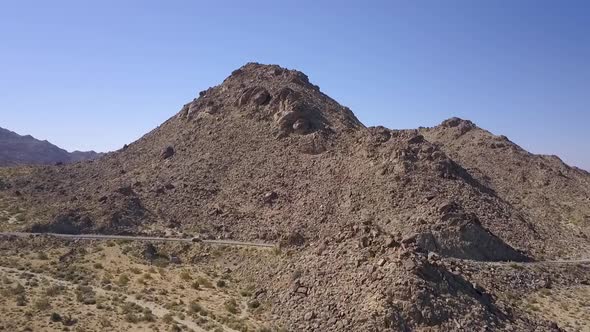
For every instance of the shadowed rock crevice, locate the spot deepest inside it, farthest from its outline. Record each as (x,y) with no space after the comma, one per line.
(459,234)
(72,222)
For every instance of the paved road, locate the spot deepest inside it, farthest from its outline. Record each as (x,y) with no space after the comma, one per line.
(138,238)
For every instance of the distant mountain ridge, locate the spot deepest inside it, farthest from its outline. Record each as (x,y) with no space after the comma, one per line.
(17,149)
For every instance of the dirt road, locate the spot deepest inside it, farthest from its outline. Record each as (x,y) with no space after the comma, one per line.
(138,238)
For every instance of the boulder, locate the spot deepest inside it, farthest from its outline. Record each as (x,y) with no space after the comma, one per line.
(254,95)
(294,239)
(390,242)
(167,152)
(125,191)
(150,252)
(432,256)
(270,197)
(410,238)
(300,126)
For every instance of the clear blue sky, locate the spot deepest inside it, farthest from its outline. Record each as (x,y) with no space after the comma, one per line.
(99,74)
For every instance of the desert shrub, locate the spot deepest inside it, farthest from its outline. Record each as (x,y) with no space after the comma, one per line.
(204,282)
(277,251)
(98,266)
(42,256)
(13,291)
(231,306)
(196,308)
(149,317)
(130,307)
(85,295)
(545,292)
(132,318)
(221,283)
(21,300)
(126,249)
(185,275)
(105,322)
(54,290)
(168,318)
(55,317)
(18,290)
(161,262)
(42,303)
(238,325)
(134,313)
(123,280)
(254,304)
(69,320)
(201,320)
(135,270)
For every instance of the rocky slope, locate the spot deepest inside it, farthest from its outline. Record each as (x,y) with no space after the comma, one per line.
(551,196)
(266,156)
(27,150)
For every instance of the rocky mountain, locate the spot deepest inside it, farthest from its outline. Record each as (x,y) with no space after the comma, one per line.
(552,196)
(27,150)
(363,212)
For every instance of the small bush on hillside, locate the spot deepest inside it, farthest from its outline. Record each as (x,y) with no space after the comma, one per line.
(54,290)
(55,317)
(204,282)
(232,306)
(42,304)
(123,280)
(186,276)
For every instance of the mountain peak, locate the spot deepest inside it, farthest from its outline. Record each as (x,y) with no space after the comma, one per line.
(464,125)
(282,96)
(254,71)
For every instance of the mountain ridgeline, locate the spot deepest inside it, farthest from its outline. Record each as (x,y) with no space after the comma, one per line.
(27,150)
